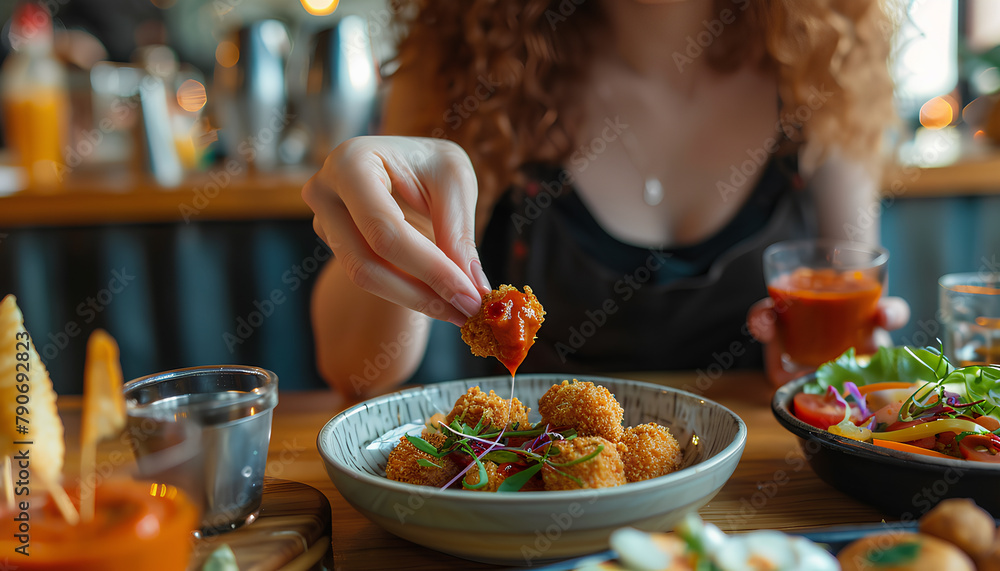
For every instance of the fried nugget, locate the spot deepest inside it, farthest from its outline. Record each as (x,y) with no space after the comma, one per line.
(402,465)
(493,477)
(591,409)
(649,451)
(492,409)
(602,471)
(505,325)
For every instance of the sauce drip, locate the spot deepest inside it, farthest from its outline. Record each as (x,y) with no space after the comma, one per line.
(514,324)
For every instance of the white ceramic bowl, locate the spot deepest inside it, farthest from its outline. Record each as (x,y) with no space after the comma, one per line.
(528,527)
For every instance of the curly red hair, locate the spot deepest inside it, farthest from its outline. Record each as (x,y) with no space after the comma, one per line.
(527,66)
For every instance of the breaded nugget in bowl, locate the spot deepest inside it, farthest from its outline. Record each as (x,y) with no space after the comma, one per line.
(527,528)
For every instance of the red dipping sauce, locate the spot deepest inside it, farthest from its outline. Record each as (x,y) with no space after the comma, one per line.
(514,323)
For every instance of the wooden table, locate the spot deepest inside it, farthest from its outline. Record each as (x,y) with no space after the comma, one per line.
(773,487)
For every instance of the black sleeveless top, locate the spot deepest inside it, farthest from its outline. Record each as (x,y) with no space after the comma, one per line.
(612,306)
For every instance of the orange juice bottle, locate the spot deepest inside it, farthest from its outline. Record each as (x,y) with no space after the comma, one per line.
(35,99)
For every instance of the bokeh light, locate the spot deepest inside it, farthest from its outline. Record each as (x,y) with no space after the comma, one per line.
(191,96)
(320,7)
(938,112)
(227,53)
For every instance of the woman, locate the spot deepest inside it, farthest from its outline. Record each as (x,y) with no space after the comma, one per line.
(627,160)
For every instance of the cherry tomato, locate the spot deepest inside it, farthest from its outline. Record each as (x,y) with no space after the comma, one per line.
(822,411)
(980,447)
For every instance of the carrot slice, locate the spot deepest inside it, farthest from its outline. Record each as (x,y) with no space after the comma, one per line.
(902,447)
(865,389)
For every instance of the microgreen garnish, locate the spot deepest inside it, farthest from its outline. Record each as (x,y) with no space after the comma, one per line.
(517,481)
(427,463)
(474,445)
(483,477)
(581,459)
(424,446)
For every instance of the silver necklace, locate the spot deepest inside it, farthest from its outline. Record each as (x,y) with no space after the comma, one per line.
(652,188)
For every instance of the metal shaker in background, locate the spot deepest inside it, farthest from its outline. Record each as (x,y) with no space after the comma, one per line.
(251,96)
(341,86)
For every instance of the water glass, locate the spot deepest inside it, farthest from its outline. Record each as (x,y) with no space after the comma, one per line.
(970,313)
(230,406)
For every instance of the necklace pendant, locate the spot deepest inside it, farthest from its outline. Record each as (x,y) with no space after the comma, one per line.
(652,193)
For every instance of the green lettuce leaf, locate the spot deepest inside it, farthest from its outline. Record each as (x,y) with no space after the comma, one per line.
(889,364)
(981,384)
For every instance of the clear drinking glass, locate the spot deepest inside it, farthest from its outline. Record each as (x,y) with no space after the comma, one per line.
(970,313)
(825,296)
(231,407)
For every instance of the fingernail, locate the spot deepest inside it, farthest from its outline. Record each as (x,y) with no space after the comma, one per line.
(466,304)
(480,276)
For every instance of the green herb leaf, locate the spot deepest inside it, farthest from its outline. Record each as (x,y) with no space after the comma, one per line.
(427,463)
(517,481)
(898,554)
(483,478)
(423,446)
(568,434)
(590,456)
(981,383)
(578,481)
(503,456)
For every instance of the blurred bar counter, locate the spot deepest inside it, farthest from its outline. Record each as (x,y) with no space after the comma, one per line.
(128,197)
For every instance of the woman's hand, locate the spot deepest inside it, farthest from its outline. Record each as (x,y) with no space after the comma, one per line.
(892,313)
(399,215)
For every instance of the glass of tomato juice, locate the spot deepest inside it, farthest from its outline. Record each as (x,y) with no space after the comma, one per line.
(825,295)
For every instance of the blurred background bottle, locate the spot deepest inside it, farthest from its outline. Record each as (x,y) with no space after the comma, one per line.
(35,99)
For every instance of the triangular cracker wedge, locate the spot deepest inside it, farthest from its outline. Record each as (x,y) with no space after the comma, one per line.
(103,410)
(37,422)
